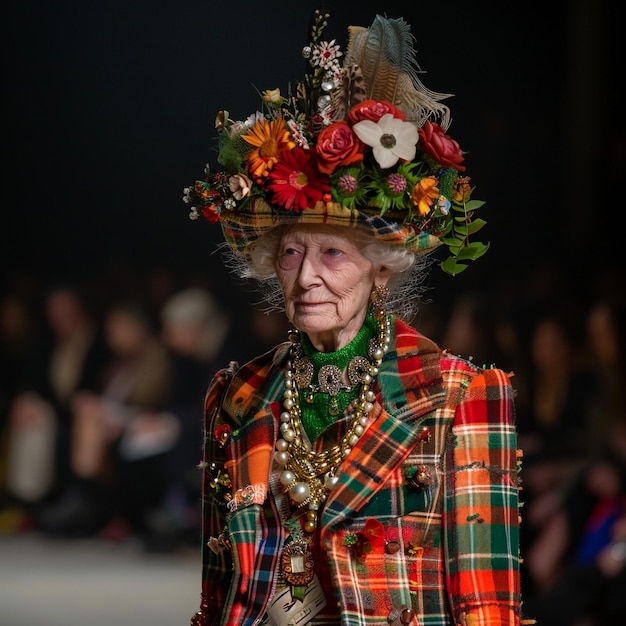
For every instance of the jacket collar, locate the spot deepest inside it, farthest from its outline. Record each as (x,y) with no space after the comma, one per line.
(409,386)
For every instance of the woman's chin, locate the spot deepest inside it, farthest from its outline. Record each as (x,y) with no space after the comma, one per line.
(314,322)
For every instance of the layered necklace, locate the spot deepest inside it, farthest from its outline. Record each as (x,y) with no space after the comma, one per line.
(308,476)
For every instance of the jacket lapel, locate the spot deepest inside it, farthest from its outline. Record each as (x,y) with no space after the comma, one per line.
(410,384)
(409,388)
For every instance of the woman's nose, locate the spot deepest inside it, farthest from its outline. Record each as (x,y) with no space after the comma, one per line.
(308,274)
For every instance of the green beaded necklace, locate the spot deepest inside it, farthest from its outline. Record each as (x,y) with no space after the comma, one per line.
(320,409)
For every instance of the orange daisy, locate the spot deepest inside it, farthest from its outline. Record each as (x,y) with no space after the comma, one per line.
(424,193)
(269,140)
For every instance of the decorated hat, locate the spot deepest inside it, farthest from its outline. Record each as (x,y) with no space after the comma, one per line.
(359,142)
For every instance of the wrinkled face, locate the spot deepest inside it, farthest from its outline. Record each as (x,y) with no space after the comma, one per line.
(326,282)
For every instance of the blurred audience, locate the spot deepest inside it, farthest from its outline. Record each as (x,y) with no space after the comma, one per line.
(120,433)
(606,353)
(469,330)
(195,329)
(583,583)
(17,338)
(67,358)
(554,432)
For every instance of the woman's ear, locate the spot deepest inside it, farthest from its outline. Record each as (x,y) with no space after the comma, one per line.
(383,275)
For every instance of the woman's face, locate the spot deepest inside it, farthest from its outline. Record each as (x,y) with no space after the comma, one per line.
(326,282)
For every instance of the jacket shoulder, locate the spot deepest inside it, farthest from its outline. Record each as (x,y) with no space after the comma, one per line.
(245,384)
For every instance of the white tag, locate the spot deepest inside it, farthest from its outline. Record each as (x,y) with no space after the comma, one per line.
(286,611)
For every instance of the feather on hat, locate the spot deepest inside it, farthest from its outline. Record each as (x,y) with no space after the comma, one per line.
(362,143)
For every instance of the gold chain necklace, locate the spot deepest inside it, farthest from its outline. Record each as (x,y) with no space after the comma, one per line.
(309,476)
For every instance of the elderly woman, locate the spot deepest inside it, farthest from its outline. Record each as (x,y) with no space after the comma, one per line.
(355,474)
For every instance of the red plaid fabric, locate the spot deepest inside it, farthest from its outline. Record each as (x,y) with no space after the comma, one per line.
(448,553)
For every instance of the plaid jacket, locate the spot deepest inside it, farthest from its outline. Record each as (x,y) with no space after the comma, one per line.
(455,556)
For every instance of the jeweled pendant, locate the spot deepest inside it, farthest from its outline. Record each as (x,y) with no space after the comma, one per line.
(297,564)
(329,378)
(302,371)
(357,367)
(333,406)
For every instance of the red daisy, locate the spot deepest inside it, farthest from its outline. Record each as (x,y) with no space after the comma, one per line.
(295,182)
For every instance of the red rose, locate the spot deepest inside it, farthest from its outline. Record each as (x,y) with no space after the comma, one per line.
(337,145)
(373,110)
(441,147)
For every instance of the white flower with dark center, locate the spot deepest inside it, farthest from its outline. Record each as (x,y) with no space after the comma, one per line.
(325,55)
(391,139)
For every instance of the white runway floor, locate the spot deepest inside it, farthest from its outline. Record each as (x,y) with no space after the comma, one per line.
(89,582)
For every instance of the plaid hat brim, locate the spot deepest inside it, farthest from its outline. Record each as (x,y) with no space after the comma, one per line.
(244,226)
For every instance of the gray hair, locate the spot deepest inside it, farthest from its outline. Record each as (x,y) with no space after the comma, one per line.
(406,285)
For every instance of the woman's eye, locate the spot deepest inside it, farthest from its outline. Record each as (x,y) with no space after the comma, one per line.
(289,258)
(334,252)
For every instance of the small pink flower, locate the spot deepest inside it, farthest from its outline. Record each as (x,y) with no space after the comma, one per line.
(347,184)
(396,182)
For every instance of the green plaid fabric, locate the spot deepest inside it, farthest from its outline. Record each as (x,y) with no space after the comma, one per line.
(450,549)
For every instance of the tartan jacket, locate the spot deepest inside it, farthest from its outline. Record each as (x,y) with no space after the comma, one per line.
(456,540)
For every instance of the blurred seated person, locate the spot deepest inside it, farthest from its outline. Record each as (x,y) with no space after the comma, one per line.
(589,588)
(580,555)
(120,434)
(68,357)
(194,329)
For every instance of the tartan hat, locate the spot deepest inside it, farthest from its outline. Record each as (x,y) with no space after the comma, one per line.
(241,228)
(360,143)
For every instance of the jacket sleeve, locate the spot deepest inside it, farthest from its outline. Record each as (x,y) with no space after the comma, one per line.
(216,554)
(481,513)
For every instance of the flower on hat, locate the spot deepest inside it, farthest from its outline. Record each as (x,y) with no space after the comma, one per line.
(440,146)
(298,132)
(325,54)
(424,194)
(349,186)
(390,189)
(330,141)
(269,140)
(212,194)
(373,110)
(337,145)
(272,96)
(462,190)
(295,183)
(391,139)
(240,186)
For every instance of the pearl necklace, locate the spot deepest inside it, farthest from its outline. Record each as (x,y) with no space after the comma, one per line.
(308,476)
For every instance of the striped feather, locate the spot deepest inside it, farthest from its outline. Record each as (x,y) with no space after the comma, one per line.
(386,54)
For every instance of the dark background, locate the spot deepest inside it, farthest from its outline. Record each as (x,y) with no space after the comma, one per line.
(109,111)
(109,108)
